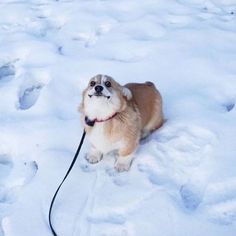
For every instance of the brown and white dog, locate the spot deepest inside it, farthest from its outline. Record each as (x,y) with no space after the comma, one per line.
(116,117)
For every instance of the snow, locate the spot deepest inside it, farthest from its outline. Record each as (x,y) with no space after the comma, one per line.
(183,178)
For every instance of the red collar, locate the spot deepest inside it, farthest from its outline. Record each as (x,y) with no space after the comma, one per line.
(92,122)
(109,118)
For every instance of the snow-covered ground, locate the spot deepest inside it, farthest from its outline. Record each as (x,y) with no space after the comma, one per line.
(183,180)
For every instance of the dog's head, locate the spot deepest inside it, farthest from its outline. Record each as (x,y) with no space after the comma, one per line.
(104,97)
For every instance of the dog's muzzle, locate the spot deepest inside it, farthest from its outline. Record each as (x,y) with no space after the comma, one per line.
(98,89)
(98,92)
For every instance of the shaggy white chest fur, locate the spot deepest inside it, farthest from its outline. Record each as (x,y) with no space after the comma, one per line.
(101,107)
(101,141)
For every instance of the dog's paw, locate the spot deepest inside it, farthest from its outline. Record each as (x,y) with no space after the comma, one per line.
(92,158)
(123,164)
(121,167)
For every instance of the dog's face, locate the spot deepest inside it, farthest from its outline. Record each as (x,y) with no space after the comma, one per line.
(103,97)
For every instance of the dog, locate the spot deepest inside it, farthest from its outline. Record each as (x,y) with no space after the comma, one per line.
(117,117)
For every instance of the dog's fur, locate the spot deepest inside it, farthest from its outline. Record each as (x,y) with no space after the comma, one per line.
(122,115)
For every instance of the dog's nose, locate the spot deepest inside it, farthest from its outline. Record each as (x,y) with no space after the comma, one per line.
(98,88)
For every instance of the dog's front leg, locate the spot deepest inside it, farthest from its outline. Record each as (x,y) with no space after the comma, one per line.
(125,158)
(94,156)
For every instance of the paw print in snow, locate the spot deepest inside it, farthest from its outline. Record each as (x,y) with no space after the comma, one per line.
(29,96)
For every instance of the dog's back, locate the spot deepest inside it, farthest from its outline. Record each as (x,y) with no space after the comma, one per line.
(149,102)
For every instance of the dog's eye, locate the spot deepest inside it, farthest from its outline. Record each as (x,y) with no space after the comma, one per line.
(92,83)
(108,84)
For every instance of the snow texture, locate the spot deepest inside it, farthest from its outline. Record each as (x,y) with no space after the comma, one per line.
(183,178)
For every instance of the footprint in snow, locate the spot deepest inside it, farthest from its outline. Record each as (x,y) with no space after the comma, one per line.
(223,213)
(29,96)
(5,166)
(155,175)
(1,232)
(87,167)
(173,159)
(7,71)
(17,176)
(220,202)
(229,106)
(191,196)
(94,37)
(26,171)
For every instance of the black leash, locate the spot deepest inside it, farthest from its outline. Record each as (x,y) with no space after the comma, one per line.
(69,170)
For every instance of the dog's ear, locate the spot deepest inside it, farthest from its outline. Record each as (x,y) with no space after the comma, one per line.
(81,108)
(126,93)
